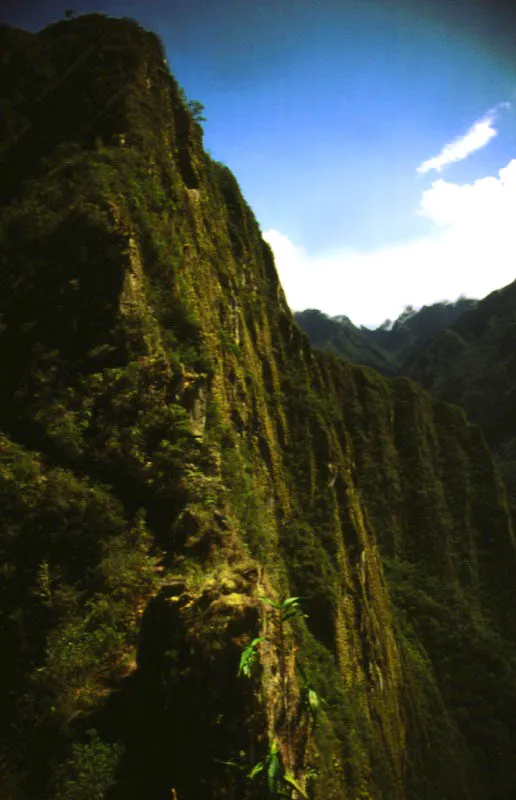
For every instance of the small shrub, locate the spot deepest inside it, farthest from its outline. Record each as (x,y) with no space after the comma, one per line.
(89,771)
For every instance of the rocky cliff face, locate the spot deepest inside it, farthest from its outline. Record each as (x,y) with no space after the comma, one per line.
(177,465)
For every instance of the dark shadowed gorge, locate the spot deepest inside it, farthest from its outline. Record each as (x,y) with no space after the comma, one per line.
(173,452)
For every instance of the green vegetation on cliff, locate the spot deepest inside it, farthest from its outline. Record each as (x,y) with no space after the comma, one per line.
(472,364)
(173,451)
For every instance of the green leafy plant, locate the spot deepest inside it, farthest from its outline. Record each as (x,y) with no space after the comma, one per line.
(290,607)
(276,775)
(271,765)
(286,610)
(289,778)
(249,658)
(310,699)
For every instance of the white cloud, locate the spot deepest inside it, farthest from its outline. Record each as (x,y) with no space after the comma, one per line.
(487,205)
(472,251)
(478,135)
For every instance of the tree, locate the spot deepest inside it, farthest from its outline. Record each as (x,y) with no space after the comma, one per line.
(196,109)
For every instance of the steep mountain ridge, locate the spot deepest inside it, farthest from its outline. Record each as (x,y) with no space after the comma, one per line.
(175,457)
(473,364)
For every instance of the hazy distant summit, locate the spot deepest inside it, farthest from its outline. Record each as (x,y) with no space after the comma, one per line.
(387,347)
(338,335)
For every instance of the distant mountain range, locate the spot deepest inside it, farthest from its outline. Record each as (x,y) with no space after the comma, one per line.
(386,348)
(338,335)
(463,353)
(472,363)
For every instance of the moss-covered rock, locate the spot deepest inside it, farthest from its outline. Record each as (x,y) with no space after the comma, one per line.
(177,462)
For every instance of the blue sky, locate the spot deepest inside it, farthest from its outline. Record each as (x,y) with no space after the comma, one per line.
(373,139)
